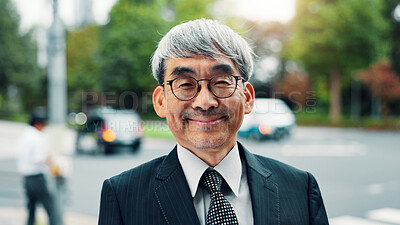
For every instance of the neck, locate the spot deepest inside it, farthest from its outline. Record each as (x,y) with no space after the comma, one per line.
(211,156)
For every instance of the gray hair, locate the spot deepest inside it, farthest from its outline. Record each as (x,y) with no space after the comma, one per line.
(203,37)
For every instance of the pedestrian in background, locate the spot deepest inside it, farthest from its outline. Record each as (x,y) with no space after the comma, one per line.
(33,164)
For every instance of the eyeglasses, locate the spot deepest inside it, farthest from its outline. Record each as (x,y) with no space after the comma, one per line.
(186,88)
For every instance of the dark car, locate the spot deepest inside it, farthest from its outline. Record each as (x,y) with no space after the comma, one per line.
(107,129)
(270,118)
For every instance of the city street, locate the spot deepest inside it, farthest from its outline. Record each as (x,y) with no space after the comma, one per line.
(357,170)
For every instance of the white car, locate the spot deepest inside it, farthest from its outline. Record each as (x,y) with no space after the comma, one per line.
(270,118)
(107,128)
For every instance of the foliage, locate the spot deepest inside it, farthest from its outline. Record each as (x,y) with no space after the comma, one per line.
(383,82)
(190,9)
(321,119)
(83,72)
(128,40)
(295,87)
(18,69)
(337,38)
(344,33)
(267,37)
(126,44)
(393,34)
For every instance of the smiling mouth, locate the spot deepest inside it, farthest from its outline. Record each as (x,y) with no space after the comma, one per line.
(208,121)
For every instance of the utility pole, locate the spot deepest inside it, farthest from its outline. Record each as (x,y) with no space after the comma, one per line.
(57,103)
(57,77)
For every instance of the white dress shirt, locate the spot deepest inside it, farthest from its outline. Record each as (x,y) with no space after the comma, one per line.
(232,170)
(32,152)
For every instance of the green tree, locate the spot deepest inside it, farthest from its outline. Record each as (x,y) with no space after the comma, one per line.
(394,32)
(18,69)
(128,40)
(125,47)
(83,73)
(335,38)
(190,9)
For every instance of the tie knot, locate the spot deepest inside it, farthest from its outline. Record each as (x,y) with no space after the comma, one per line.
(211,181)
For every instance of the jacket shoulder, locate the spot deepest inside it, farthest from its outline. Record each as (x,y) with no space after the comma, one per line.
(138,176)
(282,172)
(276,165)
(130,198)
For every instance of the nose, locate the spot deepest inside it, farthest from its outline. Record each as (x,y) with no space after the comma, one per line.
(204,99)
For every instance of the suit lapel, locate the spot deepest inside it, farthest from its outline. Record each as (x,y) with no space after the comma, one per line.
(264,192)
(173,193)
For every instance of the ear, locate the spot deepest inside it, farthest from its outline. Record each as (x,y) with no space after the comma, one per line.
(158,101)
(249,95)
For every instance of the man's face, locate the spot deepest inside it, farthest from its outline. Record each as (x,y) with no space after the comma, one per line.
(204,122)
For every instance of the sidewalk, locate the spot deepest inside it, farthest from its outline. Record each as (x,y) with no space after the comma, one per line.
(17,216)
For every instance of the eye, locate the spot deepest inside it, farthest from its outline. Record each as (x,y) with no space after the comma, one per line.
(222,82)
(186,85)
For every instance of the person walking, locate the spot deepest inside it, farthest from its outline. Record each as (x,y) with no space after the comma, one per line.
(33,163)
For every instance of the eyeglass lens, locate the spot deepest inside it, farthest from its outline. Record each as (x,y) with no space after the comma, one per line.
(221,86)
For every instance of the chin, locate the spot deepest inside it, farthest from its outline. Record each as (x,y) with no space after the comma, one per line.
(208,143)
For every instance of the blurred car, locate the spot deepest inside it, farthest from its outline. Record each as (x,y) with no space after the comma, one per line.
(107,128)
(270,118)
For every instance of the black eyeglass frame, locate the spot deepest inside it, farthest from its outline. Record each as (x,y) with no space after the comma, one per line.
(169,82)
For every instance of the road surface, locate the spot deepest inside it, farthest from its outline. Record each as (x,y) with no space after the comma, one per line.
(357,170)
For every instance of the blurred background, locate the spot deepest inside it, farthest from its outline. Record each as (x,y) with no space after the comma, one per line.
(334,67)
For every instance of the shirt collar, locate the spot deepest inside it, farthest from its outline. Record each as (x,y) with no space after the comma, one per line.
(193,167)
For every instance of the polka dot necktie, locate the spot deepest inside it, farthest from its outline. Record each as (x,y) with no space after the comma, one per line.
(220,210)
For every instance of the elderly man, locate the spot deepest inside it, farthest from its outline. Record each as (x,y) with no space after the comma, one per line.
(203,68)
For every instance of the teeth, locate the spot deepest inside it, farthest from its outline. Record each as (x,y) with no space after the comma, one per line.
(200,122)
(210,120)
(205,121)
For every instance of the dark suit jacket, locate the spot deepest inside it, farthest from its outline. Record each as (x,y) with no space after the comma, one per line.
(157,193)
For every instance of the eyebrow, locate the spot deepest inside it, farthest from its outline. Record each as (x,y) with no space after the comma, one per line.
(226,68)
(182,70)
